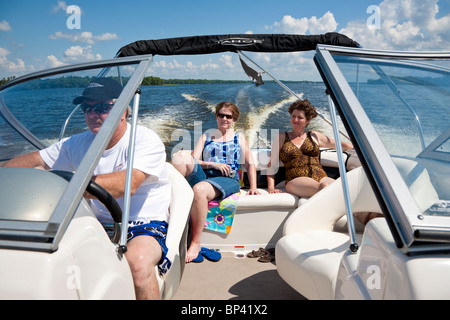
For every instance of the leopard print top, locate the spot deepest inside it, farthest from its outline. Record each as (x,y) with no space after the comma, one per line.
(303,161)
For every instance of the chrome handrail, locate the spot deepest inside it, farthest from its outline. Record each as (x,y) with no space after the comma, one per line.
(63,129)
(343,174)
(129,174)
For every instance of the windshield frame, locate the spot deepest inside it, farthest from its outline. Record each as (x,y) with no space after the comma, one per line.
(64,211)
(405,219)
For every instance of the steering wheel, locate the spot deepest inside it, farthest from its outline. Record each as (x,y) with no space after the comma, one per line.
(101,194)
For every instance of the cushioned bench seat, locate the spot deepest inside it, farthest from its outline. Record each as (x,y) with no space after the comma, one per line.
(259,219)
(265,200)
(258,222)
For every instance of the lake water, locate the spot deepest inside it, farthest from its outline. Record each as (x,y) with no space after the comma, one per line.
(181,113)
(178,113)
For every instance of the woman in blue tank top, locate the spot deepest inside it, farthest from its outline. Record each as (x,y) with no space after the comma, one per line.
(212,170)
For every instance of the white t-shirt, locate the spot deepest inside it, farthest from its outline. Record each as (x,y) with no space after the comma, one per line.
(151,199)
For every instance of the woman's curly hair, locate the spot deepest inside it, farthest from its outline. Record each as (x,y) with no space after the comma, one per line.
(305,106)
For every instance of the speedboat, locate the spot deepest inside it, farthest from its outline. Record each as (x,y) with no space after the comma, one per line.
(394,109)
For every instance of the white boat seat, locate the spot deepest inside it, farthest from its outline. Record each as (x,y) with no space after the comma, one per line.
(257,222)
(259,219)
(309,254)
(309,262)
(418,181)
(265,200)
(180,206)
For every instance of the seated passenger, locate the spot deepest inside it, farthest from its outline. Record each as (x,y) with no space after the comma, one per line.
(299,150)
(212,170)
(150,190)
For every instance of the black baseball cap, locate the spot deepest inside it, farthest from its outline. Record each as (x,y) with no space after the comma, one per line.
(100,89)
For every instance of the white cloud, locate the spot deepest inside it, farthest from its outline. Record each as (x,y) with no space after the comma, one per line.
(404,25)
(53,62)
(60,6)
(4,26)
(313,25)
(78,54)
(209,66)
(84,37)
(176,69)
(295,65)
(227,60)
(106,37)
(10,66)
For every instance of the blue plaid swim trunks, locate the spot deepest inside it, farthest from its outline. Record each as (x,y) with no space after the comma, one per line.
(155,229)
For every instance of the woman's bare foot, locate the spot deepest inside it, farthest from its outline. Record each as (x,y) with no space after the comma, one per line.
(193,252)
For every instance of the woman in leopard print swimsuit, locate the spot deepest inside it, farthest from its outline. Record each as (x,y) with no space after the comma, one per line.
(299,151)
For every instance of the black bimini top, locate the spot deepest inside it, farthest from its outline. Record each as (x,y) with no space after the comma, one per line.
(233,43)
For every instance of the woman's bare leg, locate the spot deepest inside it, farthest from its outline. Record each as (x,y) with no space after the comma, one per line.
(203,193)
(307,187)
(183,162)
(325,182)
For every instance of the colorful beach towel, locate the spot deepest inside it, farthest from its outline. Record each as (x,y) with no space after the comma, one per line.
(221,214)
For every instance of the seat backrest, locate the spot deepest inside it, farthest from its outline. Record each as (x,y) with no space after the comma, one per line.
(418,181)
(180,206)
(326,207)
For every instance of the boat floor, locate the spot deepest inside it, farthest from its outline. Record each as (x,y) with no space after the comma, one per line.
(234,278)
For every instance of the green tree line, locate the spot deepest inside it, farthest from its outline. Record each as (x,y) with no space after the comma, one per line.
(5,80)
(81,82)
(152,81)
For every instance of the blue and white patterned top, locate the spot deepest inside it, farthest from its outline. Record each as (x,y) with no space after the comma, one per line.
(228,152)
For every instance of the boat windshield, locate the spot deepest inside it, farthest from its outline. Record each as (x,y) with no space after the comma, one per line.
(398,105)
(37,110)
(34,113)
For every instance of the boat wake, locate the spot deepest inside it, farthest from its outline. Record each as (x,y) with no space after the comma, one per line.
(190,97)
(163,124)
(252,123)
(252,117)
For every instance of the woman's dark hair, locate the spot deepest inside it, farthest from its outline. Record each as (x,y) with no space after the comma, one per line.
(305,106)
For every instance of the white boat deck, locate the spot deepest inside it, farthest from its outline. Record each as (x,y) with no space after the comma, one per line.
(234,279)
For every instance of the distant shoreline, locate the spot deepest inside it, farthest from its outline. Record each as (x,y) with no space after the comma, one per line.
(150,81)
(81,82)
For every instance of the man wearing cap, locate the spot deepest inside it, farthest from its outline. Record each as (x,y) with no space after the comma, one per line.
(150,188)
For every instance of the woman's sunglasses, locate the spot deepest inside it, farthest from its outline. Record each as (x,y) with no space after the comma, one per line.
(99,108)
(228,116)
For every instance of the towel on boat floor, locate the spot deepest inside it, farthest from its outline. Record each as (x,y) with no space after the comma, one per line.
(221,214)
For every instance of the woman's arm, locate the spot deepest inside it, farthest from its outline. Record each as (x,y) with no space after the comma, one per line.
(249,164)
(327,142)
(274,163)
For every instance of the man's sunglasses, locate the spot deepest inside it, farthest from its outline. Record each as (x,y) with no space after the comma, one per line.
(99,108)
(228,116)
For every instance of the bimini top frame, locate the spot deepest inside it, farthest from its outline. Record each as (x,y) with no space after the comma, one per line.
(234,42)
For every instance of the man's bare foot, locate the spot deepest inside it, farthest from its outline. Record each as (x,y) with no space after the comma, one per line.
(193,252)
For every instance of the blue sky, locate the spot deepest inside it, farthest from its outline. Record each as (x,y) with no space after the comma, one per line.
(34,34)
